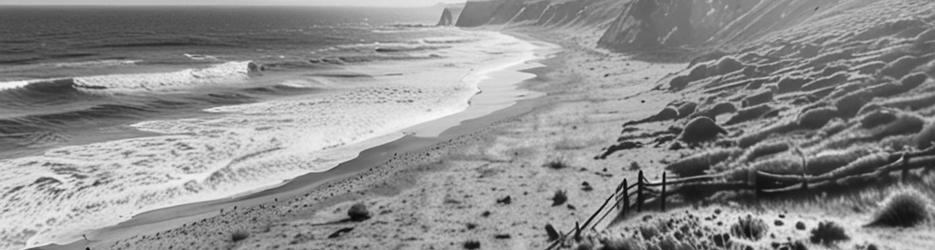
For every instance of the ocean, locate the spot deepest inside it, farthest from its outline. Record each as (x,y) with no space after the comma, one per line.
(107,112)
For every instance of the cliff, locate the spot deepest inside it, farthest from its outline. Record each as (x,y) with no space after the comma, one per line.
(587,14)
(704,23)
(447,18)
(652,24)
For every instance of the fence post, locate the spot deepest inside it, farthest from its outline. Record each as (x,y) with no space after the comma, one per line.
(662,197)
(626,197)
(577,231)
(639,192)
(905,173)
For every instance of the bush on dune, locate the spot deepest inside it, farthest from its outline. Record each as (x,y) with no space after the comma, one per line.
(749,228)
(751,113)
(239,235)
(727,65)
(687,108)
(701,129)
(817,118)
(557,163)
(828,233)
(764,149)
(926,137)
(905,208)
(699,163)
(559,198)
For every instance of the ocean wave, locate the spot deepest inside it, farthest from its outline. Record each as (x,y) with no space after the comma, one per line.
(25,94)
(448,40)
(198,57)
(230,72)
(95,64)
(184,79)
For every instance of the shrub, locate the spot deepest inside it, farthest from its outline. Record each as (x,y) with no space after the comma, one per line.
(902,209)
(557,163)
(750,113)
(239,235)
(679,82)
(749,228)
(358,212)
(472,244)
(559,198)
(620,243)
(649,231)
(728,65)
(817,118)
(699,163)
(828,233)
(757,99)
(701,129)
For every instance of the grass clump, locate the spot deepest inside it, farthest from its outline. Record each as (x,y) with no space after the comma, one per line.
(559,198)
(557,163)
(472,244)
(828,233)
(358,212)
(239,235)
(902,209)
(749,228)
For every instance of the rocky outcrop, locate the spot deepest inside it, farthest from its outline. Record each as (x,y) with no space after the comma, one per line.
(696,23)
(589,14)
(447,18)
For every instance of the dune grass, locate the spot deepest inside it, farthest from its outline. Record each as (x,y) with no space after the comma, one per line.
(904,208)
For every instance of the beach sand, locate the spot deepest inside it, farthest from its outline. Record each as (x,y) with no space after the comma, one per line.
(491,182)
(438,191)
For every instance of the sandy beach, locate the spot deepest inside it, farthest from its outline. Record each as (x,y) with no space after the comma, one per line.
(776,134)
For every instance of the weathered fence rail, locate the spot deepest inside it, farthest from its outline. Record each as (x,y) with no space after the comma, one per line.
(644,191)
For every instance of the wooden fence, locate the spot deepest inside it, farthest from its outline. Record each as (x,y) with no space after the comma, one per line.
(645,191)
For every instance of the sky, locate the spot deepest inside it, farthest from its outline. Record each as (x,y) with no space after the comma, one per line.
(400,3)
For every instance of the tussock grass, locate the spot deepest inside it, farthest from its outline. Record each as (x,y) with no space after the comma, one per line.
(755,137)
(620,243)
(926,137)
(559,198)
(817,118)
(764,149)
(699,163)
(757,99)
(905,208)
(749,227)
(701,129)
(358,212)
(679,82)
(718,109)
(239,235)
(728,64)
(905,123)
(557,163)
(828,233)
(877,117)
(789,84)
(687,108)
(751,113)
(913,102)
(699,72)
(827,81)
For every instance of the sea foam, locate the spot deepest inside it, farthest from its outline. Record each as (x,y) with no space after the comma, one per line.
(56,196)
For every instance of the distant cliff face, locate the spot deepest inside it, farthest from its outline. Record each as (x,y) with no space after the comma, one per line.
(591,14)
(651,24)
(703,23)
(446,19)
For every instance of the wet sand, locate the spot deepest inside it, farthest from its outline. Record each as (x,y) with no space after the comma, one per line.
(500,97)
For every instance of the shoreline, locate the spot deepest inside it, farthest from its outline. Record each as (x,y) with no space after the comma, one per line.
(494,101)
